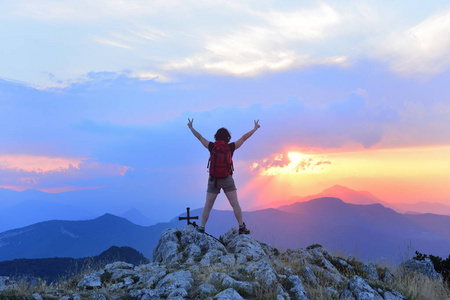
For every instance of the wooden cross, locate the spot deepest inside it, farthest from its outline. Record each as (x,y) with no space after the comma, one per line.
(188,218)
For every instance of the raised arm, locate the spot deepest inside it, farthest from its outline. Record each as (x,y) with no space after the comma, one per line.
(245,137)
(197,135)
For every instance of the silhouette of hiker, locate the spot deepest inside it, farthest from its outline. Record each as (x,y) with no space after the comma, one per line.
(223,149)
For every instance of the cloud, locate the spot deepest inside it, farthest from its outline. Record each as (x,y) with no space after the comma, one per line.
(273,46)
(52,173)
(112,43)
(38,164)
(84,10)
(290,163)
(423,48)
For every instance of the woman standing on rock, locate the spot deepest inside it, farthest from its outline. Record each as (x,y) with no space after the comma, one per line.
(221,172)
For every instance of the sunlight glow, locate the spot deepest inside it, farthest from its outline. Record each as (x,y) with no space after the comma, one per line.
(292,163)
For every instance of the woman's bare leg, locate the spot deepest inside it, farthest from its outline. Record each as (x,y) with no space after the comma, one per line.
(210,199)
(233,199)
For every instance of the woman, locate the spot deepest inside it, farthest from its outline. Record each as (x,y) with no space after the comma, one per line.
(227,183)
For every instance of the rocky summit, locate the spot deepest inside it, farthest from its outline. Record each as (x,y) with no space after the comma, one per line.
(191,265)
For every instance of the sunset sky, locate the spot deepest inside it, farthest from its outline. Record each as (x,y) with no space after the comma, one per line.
(96,95)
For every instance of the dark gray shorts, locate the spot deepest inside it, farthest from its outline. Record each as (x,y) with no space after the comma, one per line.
(227,184)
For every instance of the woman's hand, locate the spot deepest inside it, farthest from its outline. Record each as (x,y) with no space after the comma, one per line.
(256,124)
(190,122)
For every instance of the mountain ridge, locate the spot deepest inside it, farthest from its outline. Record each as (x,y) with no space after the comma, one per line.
(61,268)
(376,232)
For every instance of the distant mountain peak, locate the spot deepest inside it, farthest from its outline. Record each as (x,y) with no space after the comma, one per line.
(327,199)
(109,216)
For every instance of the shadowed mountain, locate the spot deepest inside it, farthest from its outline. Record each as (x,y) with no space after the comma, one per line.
(422,208)
(52,269)
(36,210)
(77,238)
(437,223)
(137,217)
(19,209)
(337,191)
(368,231)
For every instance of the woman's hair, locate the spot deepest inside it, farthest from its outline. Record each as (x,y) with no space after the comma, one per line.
(222,135)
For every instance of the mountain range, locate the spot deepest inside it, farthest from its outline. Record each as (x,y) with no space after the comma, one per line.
(19,209)
(60,268)
(351,196)
(367,231)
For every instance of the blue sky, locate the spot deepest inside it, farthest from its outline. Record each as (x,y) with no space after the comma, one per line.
(97,93)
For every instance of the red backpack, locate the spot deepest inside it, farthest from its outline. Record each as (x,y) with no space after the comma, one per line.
(220,163)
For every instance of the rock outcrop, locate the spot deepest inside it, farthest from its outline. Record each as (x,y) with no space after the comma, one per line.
(191,265)
(5,283)
(423,267)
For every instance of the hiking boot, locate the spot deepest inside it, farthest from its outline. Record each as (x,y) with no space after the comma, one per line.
(243,229)
(201,229)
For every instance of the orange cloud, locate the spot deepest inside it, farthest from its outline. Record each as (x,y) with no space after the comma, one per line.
(393,175)
(54,174)
(38,164)
(62,189)
(291,163)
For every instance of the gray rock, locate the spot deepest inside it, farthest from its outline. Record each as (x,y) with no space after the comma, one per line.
(5,283)
(211,256)
(243,244)
(243,286)
(263,272)
(118,265)
(76,296)
(178,293)
(122,273)
(394,295)
(323,251)
(228,294)
(359,289)
(127,281)
(299,255)
(282,292)
(268,249)
(168,247)
(424,267)
(227,260)
(332,292)
(388,277)
(98,297)
(148,267)
(65,298)
(277,262)
(223,279)
(173,281)
(327,265)
(371,271)
(217,277)
(336,278)
(137,293)
(36,296)
(150,274)
(187,246)
(90,281)
(146,294)
(240,258)
(116,286)
(287,271)
(344,264)
(194,268)
(297,288)
(310,276)
(206,289)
